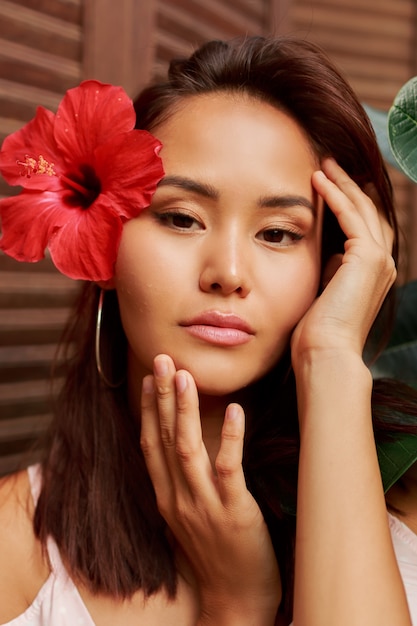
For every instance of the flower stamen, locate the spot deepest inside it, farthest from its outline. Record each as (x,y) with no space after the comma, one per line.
(75,186)
(36,166)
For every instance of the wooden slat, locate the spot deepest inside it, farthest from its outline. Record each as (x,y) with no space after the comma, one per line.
(399,8)
(199,21)
(36,67)
(19,428)
(69,10)
(27,362)
(27,398)
(19,289)
(343,17)
(39,30)
(31,326)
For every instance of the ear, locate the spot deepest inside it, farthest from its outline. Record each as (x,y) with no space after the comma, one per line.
(107,285)
(330,269)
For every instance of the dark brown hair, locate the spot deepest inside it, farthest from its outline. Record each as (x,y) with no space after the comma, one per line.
(97,500)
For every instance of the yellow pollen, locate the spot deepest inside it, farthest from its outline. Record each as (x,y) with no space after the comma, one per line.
(36,166)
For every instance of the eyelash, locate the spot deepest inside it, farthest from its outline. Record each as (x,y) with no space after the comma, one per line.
(294,235)
(167,218)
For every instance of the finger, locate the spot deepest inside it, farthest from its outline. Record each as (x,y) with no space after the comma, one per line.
(359,218)
(345,197)
(166,399)
(150,441)
(230,477)
(193,459)
(164,373)
(387,229)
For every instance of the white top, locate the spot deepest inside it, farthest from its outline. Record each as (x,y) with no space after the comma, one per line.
(59,603)
(405,546)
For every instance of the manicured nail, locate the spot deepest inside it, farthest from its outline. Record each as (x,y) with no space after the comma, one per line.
(181,382)
(161,366)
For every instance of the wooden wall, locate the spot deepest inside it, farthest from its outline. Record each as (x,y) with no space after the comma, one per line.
(47,46)
(374,44)
(41,51)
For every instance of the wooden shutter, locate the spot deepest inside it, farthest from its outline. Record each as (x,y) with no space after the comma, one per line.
(40,58)
(373,43)
(181,25)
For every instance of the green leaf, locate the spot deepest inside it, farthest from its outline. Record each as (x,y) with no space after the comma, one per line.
(399,359)
(402,128)
(379,121)
(396,457)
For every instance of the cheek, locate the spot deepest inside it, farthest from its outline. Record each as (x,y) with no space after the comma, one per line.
(295,290)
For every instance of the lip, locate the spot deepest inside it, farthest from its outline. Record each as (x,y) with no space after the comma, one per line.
(218,328)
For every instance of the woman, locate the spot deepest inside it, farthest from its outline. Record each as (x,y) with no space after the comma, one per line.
(246,292)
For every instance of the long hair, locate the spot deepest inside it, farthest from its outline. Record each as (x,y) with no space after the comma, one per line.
(97,500)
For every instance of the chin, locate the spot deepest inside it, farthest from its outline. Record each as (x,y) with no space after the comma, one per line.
(221,384)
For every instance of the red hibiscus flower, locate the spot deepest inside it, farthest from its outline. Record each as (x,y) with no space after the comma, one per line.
(84,172)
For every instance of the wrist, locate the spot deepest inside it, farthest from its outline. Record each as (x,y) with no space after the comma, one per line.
(228,617)
(242,611)
(341,364)
(333,389)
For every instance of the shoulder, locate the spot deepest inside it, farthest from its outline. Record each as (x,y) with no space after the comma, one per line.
(24,567)
(16,505)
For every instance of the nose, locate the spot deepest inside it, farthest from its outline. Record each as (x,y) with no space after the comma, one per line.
(226,266)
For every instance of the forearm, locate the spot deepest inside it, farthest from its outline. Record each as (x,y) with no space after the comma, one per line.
(346,572)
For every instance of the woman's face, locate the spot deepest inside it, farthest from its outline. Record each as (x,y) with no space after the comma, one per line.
(224,263)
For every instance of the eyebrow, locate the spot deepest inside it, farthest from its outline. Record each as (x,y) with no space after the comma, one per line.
(286,201)
(188,184)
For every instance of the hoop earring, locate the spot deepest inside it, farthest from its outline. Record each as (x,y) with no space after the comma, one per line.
(100,369)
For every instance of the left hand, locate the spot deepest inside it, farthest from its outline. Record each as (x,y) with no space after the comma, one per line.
(341,317)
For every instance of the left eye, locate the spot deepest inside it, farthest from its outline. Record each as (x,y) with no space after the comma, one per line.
(277,235)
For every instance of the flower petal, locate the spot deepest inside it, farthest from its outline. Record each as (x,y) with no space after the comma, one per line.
(35,140)
(90,115)
(130,169)
(27,222)
(86,246)
(84,172)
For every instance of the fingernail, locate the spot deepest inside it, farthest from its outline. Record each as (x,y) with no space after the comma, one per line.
(181,382)
(161,366)
(320,174)
(148,384)
(233,412)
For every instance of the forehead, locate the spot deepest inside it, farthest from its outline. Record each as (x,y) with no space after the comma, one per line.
(232,114)
(230,136)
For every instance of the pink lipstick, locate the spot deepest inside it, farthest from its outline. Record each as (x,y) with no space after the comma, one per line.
(222,329)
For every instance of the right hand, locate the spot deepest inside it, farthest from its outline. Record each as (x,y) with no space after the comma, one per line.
(211,513)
